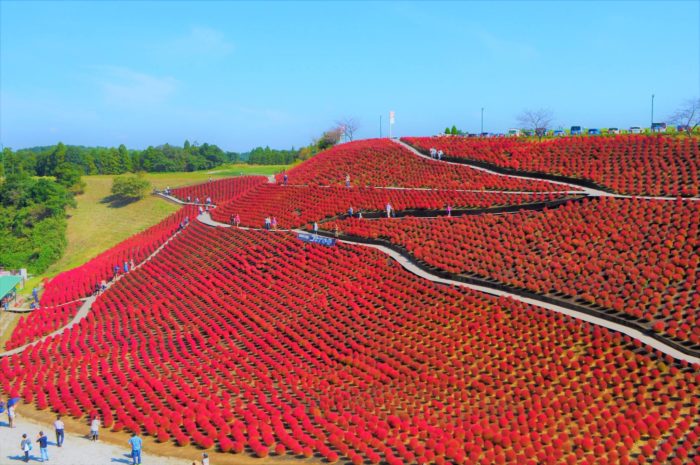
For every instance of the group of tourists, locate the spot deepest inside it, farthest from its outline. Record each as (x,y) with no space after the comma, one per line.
(128,265)
(437,154)
(270,223)
(351,212)
(184,223)
(235,220)
(100,287)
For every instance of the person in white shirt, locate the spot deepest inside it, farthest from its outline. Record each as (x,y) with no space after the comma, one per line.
(59,427)
(95,429)
(11,415)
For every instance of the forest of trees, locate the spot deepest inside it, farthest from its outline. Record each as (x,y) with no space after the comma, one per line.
(33,221)
(43,161)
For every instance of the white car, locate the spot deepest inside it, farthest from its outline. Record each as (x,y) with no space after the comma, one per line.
(635,130)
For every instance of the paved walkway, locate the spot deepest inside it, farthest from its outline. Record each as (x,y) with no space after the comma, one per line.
(205,218)
(587,190)
(76,450)
(87,304)
(655,343)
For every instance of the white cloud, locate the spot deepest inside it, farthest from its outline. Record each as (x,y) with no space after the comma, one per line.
(126,87)
(200,42)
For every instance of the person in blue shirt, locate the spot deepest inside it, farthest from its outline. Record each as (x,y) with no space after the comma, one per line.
(126,266)
(43,446)
(135,442)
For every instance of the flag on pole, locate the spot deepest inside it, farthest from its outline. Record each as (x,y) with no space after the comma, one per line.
(391,117)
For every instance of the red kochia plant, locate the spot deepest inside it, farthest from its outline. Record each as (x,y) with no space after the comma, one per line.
(629,164)
(221,190)
(604,252)
(248,340)
(294,206)
(380,162)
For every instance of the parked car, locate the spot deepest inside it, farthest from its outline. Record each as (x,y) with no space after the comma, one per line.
(658,127)
(682,127)
(593,132)
(613,131)
(558,133)
(576,130)
(513,132)
(635,130)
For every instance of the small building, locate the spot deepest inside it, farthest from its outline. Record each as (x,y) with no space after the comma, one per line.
(8,287)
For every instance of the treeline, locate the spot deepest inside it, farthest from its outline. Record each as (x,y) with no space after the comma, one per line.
(268,156)
(43,161)
(33,220)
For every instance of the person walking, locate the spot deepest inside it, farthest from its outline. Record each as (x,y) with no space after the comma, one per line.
(315,228)
(350,211)
(43,446)
(26,446)
(274,223)
(439,154)
(449,210)
(11,414)
(126,267)
(95,429)
(388,210)
(347,180)
(237,220)
(135,442)
(205,458)
(60,430)
(286,179)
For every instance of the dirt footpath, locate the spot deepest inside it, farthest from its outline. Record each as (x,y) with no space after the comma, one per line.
(76,450)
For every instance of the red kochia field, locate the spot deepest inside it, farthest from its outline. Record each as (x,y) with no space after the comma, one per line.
(638,257)
(382,163)
(253,342)
(634,164)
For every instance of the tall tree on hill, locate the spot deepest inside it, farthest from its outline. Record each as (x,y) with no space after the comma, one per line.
(348,126)
(537,121)
(688,115)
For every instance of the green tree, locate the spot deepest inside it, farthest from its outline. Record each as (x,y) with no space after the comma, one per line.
(123,159)
(454,131)
(68,175)
(55,159)
(130,187)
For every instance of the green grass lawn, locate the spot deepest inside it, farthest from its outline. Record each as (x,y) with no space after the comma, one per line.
(94,226)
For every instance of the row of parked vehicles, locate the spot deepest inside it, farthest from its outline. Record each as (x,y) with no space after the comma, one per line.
(580,131)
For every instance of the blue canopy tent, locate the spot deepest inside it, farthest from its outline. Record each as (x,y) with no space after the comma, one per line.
(8,286)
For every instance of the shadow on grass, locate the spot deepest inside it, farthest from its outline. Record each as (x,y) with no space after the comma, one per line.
(117,201)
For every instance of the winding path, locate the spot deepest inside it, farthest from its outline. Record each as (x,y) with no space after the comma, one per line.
(404,260)
(87,304)
(587,190)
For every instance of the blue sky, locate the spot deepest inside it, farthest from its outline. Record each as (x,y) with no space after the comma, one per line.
(278,73)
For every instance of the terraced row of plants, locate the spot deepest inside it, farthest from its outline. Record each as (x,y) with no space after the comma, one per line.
(652,165)
(257,343)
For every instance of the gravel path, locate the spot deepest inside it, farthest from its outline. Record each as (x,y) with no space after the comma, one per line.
(76,450)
